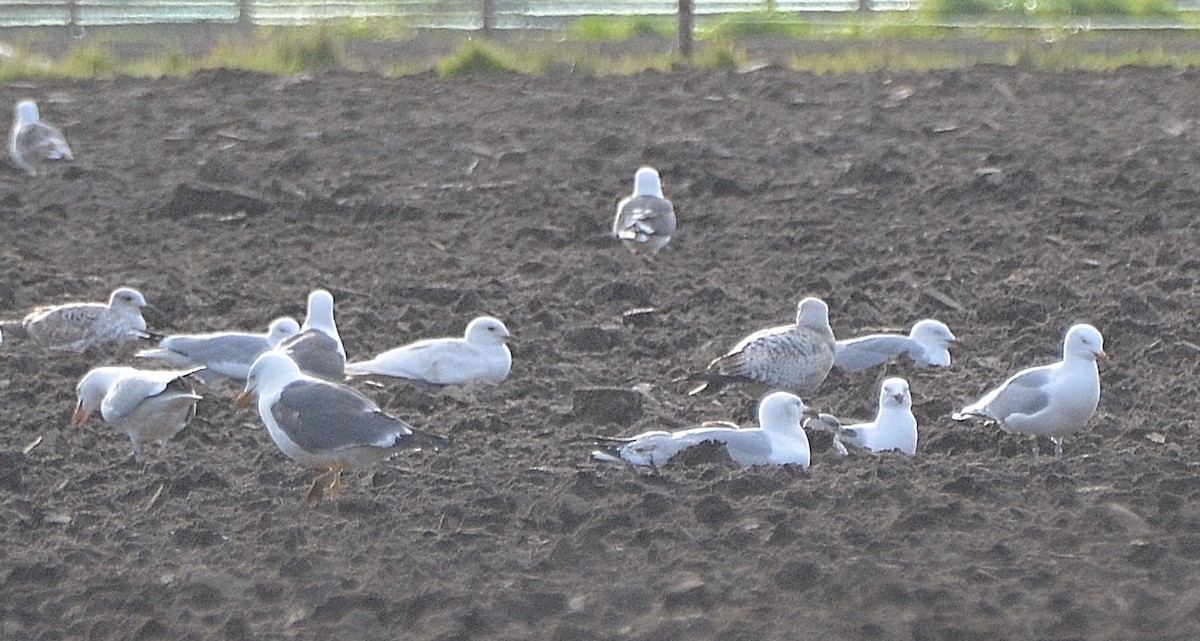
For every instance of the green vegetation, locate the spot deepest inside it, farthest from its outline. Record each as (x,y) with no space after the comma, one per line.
(618,28)
(1052,8)
(857,44)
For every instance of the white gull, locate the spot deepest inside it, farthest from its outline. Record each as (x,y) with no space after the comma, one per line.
(318,349)
(894,427)
(148,405)
(779,439)
(324,425)
(480,355)
(33,141)
(927,344)
(1053,400)
(645,219)
(228,354)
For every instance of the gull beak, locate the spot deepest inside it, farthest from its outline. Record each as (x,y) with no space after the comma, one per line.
(810,412)
(79,417)
(243,400)
(1102,356)
(899,398)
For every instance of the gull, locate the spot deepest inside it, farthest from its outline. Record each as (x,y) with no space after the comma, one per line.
(1053,400)
(82,325)
(791,358)
(927,345)
(779,439)
(33,141)
(318,349)
(894,427)
(324,425)
(481,355)
(148,405)
(227,354)
(645,218)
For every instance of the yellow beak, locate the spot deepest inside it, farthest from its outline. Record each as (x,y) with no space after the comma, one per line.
(80,417)
(243,400)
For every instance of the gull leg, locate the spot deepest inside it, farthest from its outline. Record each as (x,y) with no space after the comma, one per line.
(1057,446)
(336,483)
(1036,451)
(316,489)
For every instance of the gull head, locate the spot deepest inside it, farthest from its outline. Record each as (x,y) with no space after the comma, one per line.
(320,312)
(269,373)
(91,390)
(894,394)
(932,333)
(1084,341)
(281,329)
(128,298)
(646,183)
(487,330)
(812,312)
(26,112)
(782,411)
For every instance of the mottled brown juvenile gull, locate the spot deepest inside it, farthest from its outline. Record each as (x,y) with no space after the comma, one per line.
(318,349)
(148,405)
(227,354)
(33,141)
(779,439)
(82,325)
(927,344)
(645,219)
(894,427)
(1053,400)
(324,425)
(791,358)
(481,355)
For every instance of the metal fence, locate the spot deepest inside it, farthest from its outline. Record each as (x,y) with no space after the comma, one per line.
(452,14)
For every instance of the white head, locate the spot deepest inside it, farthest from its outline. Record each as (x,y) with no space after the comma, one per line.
(269,373)
(127,298)
(813,312)
(26,112)
(281,329)
(1083,341)
(935,338)
(894,394)
(91,390)
(486,330)
(780,412)
(646,183)
(320,313)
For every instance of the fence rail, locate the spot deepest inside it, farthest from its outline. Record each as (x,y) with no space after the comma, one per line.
(453,14)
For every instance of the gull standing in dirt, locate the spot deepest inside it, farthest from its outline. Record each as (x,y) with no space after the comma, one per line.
(324,425)
(927,344)
(148,405)
(318,349)
(82,325)
(481,355)
(33,141)
(779,439)
(791,358)
(1053,400)
(645,219)
(894,427)
(227,354)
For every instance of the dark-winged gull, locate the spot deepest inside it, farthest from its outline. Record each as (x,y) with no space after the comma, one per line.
(82,325)
(779,439)
(480,355)
(34,141)
(318,349)
(228,354)
(927,344)
(894,427)
(148,405)
(324,425)
(791,358)
(1053,400)
(645,219)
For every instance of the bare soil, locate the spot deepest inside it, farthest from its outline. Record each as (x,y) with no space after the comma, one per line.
(1007,203)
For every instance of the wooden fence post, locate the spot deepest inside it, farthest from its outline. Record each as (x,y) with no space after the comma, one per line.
(488,17)
(685,29)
